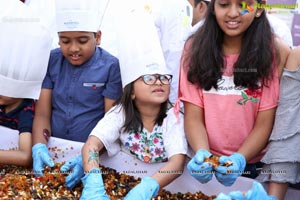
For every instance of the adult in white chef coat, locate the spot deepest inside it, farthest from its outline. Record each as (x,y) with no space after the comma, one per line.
(172,19)
(199,12)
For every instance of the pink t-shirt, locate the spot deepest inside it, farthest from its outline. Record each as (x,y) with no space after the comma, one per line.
(230,111)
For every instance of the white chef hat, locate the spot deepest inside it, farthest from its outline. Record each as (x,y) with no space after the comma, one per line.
(25,49)
(78,15)
(46,11)
(140,52)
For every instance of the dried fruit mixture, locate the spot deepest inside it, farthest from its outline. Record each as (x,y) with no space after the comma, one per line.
(20,183)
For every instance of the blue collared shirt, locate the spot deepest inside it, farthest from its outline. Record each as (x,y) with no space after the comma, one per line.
(78,92)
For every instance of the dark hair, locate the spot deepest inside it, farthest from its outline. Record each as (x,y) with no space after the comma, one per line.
(133,119)
(254,63)
(196,2)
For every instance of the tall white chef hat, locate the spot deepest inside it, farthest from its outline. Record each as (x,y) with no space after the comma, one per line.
(78,15)
(25,49)
(140,52)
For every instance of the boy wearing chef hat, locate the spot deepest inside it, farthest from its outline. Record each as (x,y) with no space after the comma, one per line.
(24,54)
(142,123)
(82,81)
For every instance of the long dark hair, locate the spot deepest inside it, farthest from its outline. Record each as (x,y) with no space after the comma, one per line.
(133,120)
(254,63)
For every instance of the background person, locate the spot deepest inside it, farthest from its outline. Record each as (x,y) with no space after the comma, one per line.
(199,12)
(282,158)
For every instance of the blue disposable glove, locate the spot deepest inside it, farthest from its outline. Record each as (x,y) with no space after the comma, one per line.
(76,167)
(200,170)
(227,175)
(257,192)
(145,190)
(41,158)
(223,196)
(93,186)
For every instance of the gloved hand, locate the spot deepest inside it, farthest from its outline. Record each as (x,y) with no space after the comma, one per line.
(227,175)
(93,186)
(41,158)
(257,192)
(77,171)
(223,196)
(200,170)
(145,190)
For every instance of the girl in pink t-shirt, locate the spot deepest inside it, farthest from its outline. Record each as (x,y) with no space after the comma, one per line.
(229,85)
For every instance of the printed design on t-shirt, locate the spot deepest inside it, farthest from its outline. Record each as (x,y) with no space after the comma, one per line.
(226,86)
(249,95)
(148,147)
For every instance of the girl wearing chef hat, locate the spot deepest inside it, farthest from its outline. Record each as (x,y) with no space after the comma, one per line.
(141,120)
(82,81)
(23,64)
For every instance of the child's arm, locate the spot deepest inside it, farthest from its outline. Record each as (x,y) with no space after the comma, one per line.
(21,156)
(194,127)
(86,162)
(170,171)
(42,117)
(283,51)
(293,61)
(41,131)
(90,153)
(149,186)
(258,138)
(196,135)
(108,104)
(252,146)
(92,181)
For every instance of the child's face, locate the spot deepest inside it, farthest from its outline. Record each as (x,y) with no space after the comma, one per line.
(231,20)
(78,47)
(156,93)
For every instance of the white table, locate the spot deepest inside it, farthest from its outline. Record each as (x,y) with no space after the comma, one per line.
(62,150)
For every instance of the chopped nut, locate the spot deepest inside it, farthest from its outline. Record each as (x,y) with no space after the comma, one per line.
(52,185)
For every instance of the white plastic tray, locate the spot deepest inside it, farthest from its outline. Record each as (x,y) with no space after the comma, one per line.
(62,150)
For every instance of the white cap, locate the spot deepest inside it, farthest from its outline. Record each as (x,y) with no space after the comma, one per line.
(140,52)
(78,15)
(25,49)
